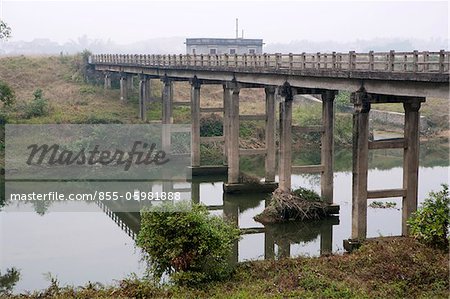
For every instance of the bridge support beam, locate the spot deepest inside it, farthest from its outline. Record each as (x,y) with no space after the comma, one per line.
(107,82)
(360,164)
(195,120)
(410,162)
(143,86)
(130,82)
(123,88)
(233,135)
(270,162)
(285,164)
(227,92)
(167,119)
(327,148)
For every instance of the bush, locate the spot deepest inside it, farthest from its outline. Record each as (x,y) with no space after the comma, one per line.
(7,96)
(430,223)
(211,125)
(187,243)
(38,106)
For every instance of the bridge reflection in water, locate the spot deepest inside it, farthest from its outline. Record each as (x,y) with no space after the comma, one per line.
(278,238)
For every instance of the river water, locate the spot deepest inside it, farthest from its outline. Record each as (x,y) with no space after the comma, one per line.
(77,247)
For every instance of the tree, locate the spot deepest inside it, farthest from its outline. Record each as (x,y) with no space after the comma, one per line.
(5,30)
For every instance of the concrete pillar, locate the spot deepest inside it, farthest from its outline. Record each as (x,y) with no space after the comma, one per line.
(285,163)
(227,92)
(270,163)
(123,88)
(142,97)
(326,239)
(327,148)
(233,136)
(107,84)
(195,123)
(410,162)
(167,99)
(360,164)
(148,91)
(130,82)
(195,192)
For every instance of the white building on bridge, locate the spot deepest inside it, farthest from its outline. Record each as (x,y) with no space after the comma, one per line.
(223,46)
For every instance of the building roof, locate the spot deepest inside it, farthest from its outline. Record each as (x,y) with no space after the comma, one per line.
(224,41)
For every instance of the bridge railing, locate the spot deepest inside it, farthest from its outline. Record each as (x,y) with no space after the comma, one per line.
(415,62)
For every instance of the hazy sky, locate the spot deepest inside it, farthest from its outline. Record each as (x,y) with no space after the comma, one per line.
(274,21)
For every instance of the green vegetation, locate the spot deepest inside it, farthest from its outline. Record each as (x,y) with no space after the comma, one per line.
(394,267)
(5,30)
(430,223)
(37,107)
(7,95)
(187,243)
(8,281)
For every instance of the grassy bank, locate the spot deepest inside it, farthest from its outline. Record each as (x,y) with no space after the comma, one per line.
(394,267)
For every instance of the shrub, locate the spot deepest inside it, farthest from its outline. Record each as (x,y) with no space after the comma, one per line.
(187,243)
(211,125)
(7,96)
(430,223)
(38,106)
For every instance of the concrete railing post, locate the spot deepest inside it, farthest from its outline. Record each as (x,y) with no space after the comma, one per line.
(441,61)
(360,164)
(415,61)
(327,149)
(371,61)
(410,162)
(195,122)
(270,162)
(391,65)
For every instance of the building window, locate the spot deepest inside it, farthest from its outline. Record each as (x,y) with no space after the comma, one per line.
(213,51)
(251,51)
(193,50)
(232,51)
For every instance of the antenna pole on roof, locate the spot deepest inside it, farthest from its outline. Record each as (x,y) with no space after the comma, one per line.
(237,28)
(242,33)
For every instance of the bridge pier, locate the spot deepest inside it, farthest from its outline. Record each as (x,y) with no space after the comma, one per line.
(361,146)
(123,87)
(107,81)
(285,163)
(227,92)
(410,162)
(233,134)
(327,145)
(143,91)
(270,159)
(167,119)
(195,122)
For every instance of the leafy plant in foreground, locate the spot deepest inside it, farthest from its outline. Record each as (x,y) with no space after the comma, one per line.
(187,243)
(430,223)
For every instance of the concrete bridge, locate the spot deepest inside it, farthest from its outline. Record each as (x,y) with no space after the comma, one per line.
(393,77)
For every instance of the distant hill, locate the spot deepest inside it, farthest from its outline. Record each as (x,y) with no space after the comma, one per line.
(175,45)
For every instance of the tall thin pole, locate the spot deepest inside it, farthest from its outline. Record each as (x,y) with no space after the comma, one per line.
(237,28)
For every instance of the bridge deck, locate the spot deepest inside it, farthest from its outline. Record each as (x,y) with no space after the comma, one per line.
(395,73)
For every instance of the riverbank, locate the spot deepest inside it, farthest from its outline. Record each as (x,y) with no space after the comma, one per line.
(386,267)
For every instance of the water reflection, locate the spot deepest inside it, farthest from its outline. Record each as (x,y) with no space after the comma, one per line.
(78,247)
